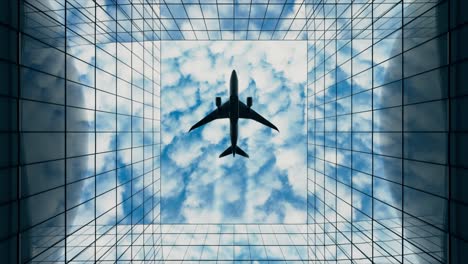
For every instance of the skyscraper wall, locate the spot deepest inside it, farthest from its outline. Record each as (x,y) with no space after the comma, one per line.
(385,148)
(80,131)
(80,138)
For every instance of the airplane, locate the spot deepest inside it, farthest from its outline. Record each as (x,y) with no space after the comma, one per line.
(233,109)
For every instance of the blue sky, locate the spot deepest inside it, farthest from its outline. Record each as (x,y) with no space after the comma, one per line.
(290,72)
(199,187)
(196,185)
(194,73)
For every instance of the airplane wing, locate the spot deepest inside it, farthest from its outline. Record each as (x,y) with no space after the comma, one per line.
(221,112)
(245,112)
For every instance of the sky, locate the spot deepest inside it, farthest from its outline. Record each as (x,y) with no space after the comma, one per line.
(199,187)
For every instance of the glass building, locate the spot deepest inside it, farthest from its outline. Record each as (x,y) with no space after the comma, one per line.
(80,131)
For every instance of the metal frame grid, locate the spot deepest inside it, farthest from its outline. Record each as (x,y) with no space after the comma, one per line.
(238,243)
(228,20)
(86,132)
(366,87)
(381,181)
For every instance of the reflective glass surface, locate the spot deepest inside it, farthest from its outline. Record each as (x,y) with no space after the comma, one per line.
(80,131)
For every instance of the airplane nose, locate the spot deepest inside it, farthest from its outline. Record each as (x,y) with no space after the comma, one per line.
(233,75)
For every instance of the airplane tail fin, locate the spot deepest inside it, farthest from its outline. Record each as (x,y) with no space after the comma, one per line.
(229,151)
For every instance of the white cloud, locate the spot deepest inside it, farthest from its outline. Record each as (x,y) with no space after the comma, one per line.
(293,214)
(184,153)
(292,160)
(215,133)
(170,77)
(277,97)
(171,186)
(290,62)
(218,47)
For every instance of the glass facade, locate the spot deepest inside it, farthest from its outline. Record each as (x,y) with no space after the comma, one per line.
(385,145)
(80,130)
(81,168)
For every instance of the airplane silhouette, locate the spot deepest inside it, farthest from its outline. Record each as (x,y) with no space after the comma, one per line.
(233,109)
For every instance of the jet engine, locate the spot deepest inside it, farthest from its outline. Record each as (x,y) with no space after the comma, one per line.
(249,102)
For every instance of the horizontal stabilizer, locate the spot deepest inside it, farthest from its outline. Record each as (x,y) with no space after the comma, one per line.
(241,152)
(226,152)
(229,151)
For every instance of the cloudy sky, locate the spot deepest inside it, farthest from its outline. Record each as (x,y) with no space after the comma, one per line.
(199,187)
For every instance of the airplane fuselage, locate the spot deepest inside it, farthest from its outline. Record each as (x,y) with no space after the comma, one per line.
(234,109)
